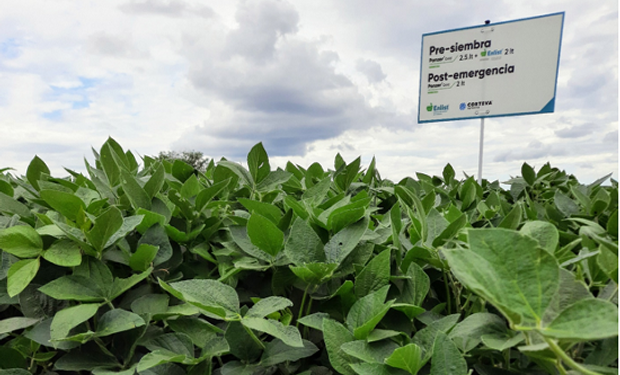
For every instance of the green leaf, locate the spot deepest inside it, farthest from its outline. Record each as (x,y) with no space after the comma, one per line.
(120,286)
(143,257)
(267,306)
(241,344)
(335,334)
(71,317)
(13,206)
(237,169)
(36,168)
(158,357)
(85,358)
(467,334)
(273,180)
(277,352)
(150,304)
(212,296)
(64,253)
(447,360)
(408,358)
(175,342)
(77,288)
(513,219)
(367,312)
(375,369)
(117,320)
(156,182)
(206,195)
(258,163)
(369,352)
(502,341)
(375,275)
(314,320)
(528,174)
(545,233)
(265,235)
(23,241)
(136,194)
(181,170)
(15,323)
(303,244)
(565,204)
(191,187)
(509,270)
(66,204)
(198,330)
(288,334)
(314,273)
(343,242)
(267,210)
(156,236)
(20,275)
(106,224)
(415,287)
(587,319)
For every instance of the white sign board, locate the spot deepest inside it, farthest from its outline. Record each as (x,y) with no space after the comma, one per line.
(501,69)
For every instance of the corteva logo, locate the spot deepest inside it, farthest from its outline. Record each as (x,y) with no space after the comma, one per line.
(437,109)
(475,105)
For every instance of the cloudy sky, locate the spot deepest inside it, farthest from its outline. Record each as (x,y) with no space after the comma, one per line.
(309,79)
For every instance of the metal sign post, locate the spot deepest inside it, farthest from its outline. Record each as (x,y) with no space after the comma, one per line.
(480,151)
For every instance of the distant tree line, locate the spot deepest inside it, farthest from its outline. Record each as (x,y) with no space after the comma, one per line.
(194,158)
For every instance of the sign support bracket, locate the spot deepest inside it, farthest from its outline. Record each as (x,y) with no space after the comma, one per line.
(480,151)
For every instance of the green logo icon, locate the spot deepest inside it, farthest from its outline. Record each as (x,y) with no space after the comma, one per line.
(483,53)
(429,107)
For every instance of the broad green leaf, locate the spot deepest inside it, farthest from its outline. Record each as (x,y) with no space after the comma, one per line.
(242,173)
(156,182)
(588,319)
(528,174)
(143,257)
(314,273)
(64,253)
(277,352)
(77,288)
(117,320)
(175,342)
(335,334)
(264,234)
(156,236)
(367,312)
(65,203)
(212,296)
(36,168)
(108,162)
(120,286)
(408,358)
(375,369)
(198,330)
(288,334)
(513,219)
(241,239)
(241,343)
(273,180)
(267,210)
(545,233)
(510,270)
(437,224)
(369,352)
(15,357)
(23,241)
(415,287)
(467,334)
(447,360)
(150,218)
(565,204)
(158,357)
(267,306)
(85,358)
(345,215)
(181,170)
(191,187)
(106,224)
(314,320)
(343,242)
(20,275)
(206,195)
(14,207)
(382,334)
(426,337)
(13,324)
(150,304)
(303,244)
(502,341)
(450,231)
(136,194)
(258,163)
(375,275)
(71,317)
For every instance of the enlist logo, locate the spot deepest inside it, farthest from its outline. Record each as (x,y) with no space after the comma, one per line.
(437,109)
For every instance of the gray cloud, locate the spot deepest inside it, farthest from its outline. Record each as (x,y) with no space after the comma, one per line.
(577,131)
(371,69)
(284,92)
(611,137)
(105,44)
(172,8)
(260,26)
(534,150)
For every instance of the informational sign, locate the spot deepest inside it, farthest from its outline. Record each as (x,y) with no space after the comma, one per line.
(501,69)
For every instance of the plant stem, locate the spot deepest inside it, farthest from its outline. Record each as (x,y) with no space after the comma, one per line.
(301,308)
(445,281)
(566,359)
(253,336)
